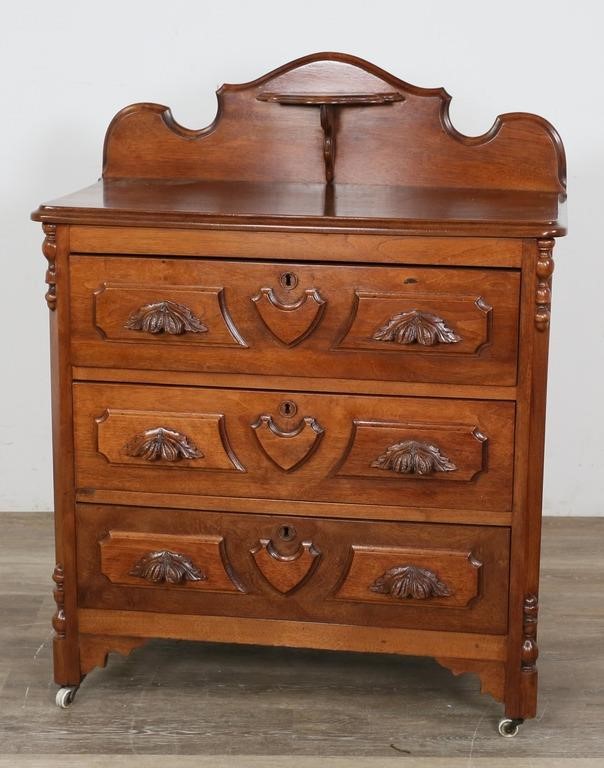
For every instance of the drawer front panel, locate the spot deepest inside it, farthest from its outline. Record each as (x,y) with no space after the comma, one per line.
(159,559)
(381,574)
(433,324)
(413,452)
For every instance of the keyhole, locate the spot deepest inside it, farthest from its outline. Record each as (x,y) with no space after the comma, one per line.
(288,280)
(288,408)
(410,280)
(287,532)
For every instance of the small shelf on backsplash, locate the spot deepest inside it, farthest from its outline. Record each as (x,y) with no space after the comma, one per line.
(333,99)
(328,104)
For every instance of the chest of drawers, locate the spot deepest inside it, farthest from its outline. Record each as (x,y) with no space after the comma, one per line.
(298,378)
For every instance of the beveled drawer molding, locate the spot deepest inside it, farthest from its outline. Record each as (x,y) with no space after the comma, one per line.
(416,450)
(186,440)
(403,576)
(412,322)
(163,314)
(160,560)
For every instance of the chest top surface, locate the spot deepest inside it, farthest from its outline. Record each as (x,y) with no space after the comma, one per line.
(328,142)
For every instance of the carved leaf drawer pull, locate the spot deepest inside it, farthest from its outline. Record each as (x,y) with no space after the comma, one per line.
(162,443)
(415,327)
(165,567)
(413,458)
(165,317)
(410,581)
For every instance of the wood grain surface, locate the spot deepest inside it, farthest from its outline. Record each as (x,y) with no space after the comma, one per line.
(520,151)
(307,246)
(357,430)
(338,590)
(325,319)
(297,207)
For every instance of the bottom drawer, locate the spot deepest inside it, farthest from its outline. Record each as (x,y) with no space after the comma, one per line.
(451,577)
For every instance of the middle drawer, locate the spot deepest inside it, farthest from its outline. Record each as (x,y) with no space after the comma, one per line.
(412,452)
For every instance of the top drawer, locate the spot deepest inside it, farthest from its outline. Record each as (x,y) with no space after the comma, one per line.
(397,323)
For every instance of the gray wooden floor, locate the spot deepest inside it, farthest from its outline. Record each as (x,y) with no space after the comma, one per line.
(250,706)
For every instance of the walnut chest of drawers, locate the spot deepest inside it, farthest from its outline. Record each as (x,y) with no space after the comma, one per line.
(298,376)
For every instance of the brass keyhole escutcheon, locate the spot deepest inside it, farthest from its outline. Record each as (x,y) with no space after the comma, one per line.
(286,532)
(289,280)
(288,408)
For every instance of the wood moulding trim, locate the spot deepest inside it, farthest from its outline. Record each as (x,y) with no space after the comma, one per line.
(314,225)
(413,329)
(49,249)
(65,649)
(410,458)
(543,293)
(293,384)
(58,620)
(530,650)
(296,634)
(521,685)
(95,649)
(160,444)
(490,673)
(298,508)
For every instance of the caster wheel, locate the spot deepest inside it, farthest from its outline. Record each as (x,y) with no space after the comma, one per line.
(65,696)
(508,727)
